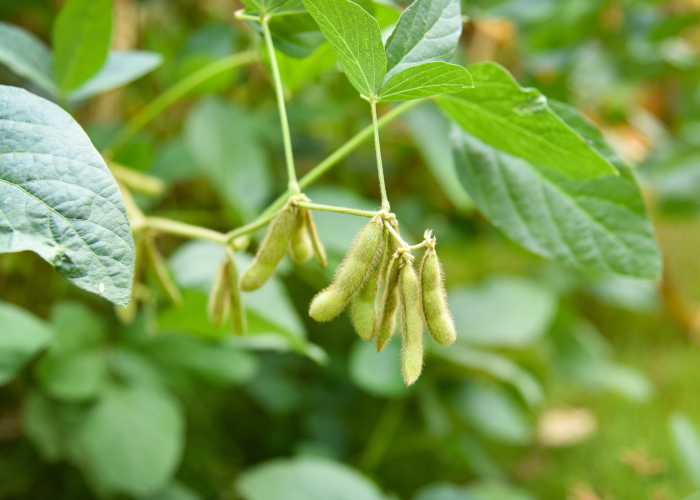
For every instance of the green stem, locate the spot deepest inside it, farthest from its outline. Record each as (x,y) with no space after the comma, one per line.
(250,228)
(167,98)
(378,151)
(341,210)
(186,230)
(396,235)
(291,173)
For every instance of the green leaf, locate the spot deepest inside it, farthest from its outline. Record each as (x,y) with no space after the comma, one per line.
(50,424)
(478,312)
(443,491)
(131,440)
(27,56)
(686,441)
(81,37)
(58,199)
(378,373)
(122,67)
(596,225)
(427,31)
(520,121)
(356,40)
(296,35)
(425,80)
(175,491)
(23,335)
(307,478)
(224,142)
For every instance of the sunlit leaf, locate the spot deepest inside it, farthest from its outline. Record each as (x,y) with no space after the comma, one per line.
(425,80)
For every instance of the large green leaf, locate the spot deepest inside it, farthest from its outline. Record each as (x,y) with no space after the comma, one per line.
(22,335)
(122,67)
(81,37)
(596,225)
(27,56)
(427,31)
(356,39)
(307,478)
(520,121)
(425,80)
(58,199)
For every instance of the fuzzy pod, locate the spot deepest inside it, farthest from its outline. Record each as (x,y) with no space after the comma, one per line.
(301,247)
(218,305)
(271,250)
(352,272)
(319,249)
(386,320)
(238,319)
(412,325)
(161,272)
(437,316)
(363,307)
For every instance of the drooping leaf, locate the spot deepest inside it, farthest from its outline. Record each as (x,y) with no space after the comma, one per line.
(81,37)
(307,478)
(27,56)
(425,80)
(596,225)
(427,31)
(58,199)
(520,121)
(122,67)
(356,40)
(21,337)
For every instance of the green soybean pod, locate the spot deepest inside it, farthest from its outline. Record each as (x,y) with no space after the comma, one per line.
(271,250)
(440,323)
(218,304)
(386,320)
(412,325)
(161,271)
(363,307)
(238,319)
(352,272)
(319,249)
(300,245)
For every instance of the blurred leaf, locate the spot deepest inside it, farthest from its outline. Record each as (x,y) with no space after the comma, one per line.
(637,296)
(307,478)
(356,40)
(502,311)
(175,491)
(174,163)
(27,56)
(427,31)
(597,225)
(58,198)
(81,37)
(425,80)
(430,132)
(121,68)
(378,373)
(131,440)
(296,35)
(495,490)
(23,336)
(493,413)
(223,142)
(298,72)
(687,445)
(443,491)
(519,121)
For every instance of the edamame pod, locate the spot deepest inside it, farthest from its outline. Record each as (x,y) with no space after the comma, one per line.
(437,315)
(386,320)
(319,249)
(271,250)
(218,305)
(238,319)
(412,325)
(300,246)
(363,308)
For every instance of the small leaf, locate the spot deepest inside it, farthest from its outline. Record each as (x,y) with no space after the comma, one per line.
(58,199)
(307,478)
(686,441)
(356,40)
(596,225)
(122,67)
(427,31)
(425,80)
(81,37)
(23,335)
(27,56)
(519,121)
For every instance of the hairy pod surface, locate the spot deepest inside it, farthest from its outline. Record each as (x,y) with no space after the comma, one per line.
(352,272)
(238,319)
(437,315)
(301,248)
(412,325)
(161,271)
(271,250)
(319,249)
(218,305)
(386,320)
(363,308)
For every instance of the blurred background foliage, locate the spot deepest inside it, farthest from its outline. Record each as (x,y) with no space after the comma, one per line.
(560,385)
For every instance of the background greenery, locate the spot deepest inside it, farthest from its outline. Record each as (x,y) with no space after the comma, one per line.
(561,384)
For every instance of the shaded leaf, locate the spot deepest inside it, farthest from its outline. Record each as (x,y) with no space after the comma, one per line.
(58,199)
(27,56)
(425,80)
(686,441)
(378,373)
(21,337)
